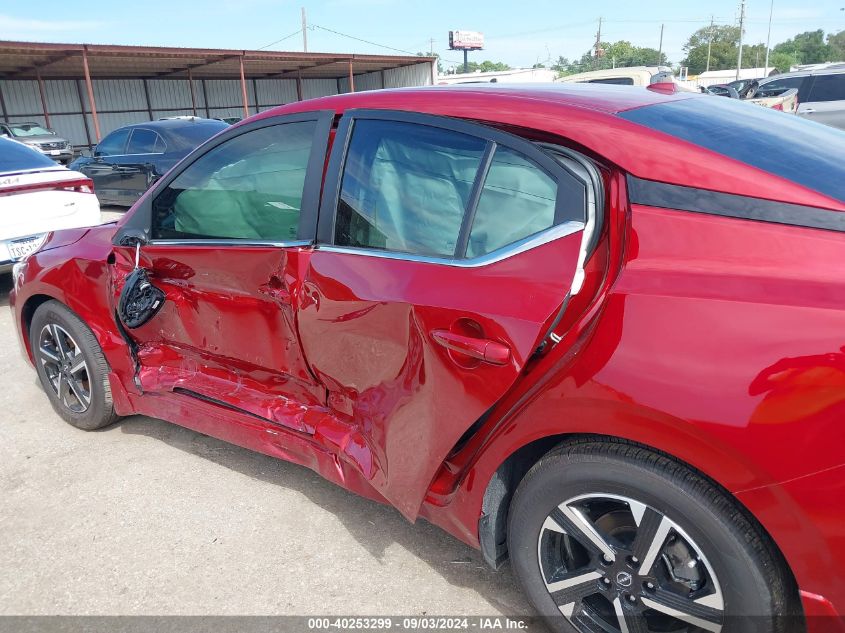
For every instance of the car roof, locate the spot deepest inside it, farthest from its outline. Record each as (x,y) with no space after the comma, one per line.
(174,124)
(808,72)
(608,99)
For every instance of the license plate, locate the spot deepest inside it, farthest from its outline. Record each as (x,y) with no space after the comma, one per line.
(55,152)
(22,248)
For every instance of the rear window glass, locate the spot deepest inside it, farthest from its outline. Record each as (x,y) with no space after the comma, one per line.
(16,156)
(196,133)
(828,88)
(805,152)
(613,81)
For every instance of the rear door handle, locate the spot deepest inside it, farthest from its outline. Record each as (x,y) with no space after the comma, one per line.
(483,349)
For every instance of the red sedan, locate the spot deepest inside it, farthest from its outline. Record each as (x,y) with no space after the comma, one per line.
(598,330)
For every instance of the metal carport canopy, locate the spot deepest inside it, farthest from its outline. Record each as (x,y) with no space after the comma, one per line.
(49,61)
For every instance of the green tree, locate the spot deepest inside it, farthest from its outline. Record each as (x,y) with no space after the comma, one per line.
(808,47)
(432,54)
(782,61)
(723,40)
(836,43)
(484,67)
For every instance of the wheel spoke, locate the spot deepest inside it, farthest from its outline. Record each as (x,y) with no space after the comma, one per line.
(48,355)
(579,527)
(61,388)
(573,589)
(78,362)
(81,395)
(629,622)
(61,344)
(685,609)
(651,534)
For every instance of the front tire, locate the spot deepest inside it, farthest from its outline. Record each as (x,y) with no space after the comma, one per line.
(608,536)
(71,367)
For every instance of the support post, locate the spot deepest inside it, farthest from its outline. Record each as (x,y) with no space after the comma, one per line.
(147,97)
(84,118)
(193,92)
(351,78)
(43,95)
(298,86)
(205,99)
(90,86)
(243,89)
(3,106)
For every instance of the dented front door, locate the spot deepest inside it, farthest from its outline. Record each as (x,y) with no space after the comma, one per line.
(227,237)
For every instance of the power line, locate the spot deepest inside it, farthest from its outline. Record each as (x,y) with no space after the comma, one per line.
(286,37)
(358,39)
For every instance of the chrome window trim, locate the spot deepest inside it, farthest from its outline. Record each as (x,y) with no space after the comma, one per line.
(532,241)
(230,242)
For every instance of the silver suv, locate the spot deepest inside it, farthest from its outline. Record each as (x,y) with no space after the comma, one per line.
(38,137)
(821,92)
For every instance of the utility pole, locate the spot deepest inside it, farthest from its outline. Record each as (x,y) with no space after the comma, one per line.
(769,36)
(709,44)
(598,45)
(741,26)
(660,50)
(304,32)
(431,46)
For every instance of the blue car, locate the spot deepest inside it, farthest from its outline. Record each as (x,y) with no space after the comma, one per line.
(128,160)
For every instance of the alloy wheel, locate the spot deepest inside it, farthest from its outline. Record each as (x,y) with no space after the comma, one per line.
(65,367)
(614,564)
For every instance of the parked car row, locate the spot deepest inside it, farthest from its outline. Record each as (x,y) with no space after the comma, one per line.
(38,196)
(39,138)
(818,93)
(128,160)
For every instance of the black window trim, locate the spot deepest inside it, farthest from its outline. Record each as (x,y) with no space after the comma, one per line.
(563,177)
(140,222)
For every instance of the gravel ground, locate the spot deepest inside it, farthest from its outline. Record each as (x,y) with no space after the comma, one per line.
(146,517)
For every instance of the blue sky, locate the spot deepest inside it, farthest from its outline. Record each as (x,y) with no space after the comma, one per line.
(519,33)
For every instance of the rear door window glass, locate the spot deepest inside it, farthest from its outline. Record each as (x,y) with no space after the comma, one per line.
(249,188)
(828,88)
(405,187)
(517,200)
(145,142)
(805,152)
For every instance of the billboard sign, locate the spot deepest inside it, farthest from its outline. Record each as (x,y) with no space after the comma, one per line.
(466,40)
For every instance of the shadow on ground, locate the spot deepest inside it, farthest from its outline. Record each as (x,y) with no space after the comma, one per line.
(376,527)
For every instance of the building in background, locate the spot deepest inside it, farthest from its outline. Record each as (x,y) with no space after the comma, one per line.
(84,91)
(516,75)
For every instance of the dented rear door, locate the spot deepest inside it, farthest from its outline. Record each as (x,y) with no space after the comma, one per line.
(445,250)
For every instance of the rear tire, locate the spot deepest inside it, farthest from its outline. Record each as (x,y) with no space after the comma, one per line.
(605,535)
(71,367)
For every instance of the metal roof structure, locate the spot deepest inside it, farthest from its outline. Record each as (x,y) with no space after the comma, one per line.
(51,62)
(31,60)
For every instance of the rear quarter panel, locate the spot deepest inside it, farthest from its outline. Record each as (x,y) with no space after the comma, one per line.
(722,343)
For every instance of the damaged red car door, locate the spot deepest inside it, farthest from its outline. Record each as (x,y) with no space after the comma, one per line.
(223,239)
(445,251)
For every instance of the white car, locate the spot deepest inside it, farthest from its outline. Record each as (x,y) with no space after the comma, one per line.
(38,196)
